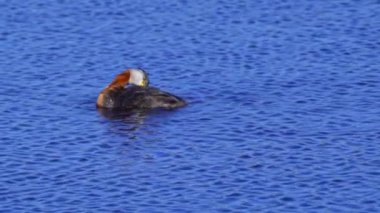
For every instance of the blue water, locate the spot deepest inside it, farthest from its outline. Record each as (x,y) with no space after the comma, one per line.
(283,114)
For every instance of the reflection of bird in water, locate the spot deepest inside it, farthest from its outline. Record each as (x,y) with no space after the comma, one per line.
(137,96)
(130,115)
(131,119)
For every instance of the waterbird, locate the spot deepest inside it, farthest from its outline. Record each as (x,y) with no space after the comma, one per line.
(130,90)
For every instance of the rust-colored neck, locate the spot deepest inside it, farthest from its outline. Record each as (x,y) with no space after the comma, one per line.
(119,81)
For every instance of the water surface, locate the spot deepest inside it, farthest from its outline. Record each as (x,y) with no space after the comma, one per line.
(283,115)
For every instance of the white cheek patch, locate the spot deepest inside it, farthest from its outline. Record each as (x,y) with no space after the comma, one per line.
(137,77)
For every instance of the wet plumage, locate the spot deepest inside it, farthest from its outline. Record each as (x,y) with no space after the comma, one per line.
(135,97)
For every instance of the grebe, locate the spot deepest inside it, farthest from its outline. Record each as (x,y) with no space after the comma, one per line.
(119,95)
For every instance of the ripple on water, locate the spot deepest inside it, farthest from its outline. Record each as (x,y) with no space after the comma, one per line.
(283,107)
